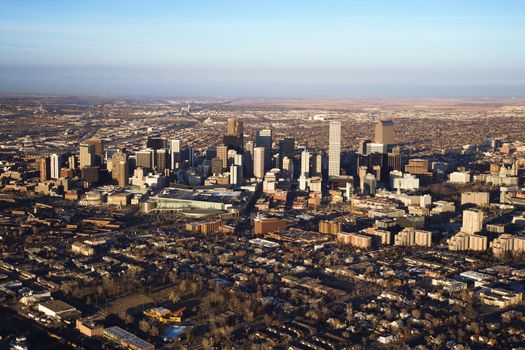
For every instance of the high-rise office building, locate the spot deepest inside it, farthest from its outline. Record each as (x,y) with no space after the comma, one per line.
(87,155)
(384,132)
(394,159)
(258,162)
(305,163)
(120,171)
(108,156)
(420,168)
(175,154)
(161,160)
(99,150)
(43,165)
(235,126)
(71,162)
(123,173)
(192,158)
(317,165)
(234,137)
(222,154)
(288,167)
(235,174)
(144,159)
(334,149)
(216,166)
(287,147)
(55,165)
(263,138)
(248,159)
(232,154)
(91,174)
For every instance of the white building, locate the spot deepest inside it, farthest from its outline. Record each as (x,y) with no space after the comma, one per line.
(258,162)
(472,221)
(400,181)
(174,154)
(305,163)
(235,174)
(334,149)
(459,177)
(87,155)
(55,165)
(376,148)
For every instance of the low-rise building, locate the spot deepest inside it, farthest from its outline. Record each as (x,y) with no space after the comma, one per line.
(412,237)
(58,309)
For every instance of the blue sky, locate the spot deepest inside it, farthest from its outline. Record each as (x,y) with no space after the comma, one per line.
(264,48)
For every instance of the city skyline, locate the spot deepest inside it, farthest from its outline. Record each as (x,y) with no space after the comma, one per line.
(268,49)
(129,223)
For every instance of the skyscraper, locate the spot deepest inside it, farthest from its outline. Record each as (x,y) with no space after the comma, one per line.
(248,159)
(258,162)
(161,160)
(216,166)
(91,174)
(119,171)
(263,138)
(43,165)
(235,126)
(288,167)
(287,147)
(71,161)
(192,160)
(145,159)
(55,165)
(123,173)
(235,174)
(384,132)
(394,159)
(175,154)
(334,149)
(87,155)
(222,154)
(234,137)
(317,166)
(305,163)
(99,150)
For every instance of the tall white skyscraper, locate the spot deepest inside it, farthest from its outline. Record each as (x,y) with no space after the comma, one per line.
(263,138)
(235,174)
(55,164)
(175,154)
(258,162)
(305,163)
(87,155)
(334,149)
(238,159)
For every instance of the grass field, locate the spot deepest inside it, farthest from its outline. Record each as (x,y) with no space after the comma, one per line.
(129,302)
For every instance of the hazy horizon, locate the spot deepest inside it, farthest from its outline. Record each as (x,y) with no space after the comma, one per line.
(268,49)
